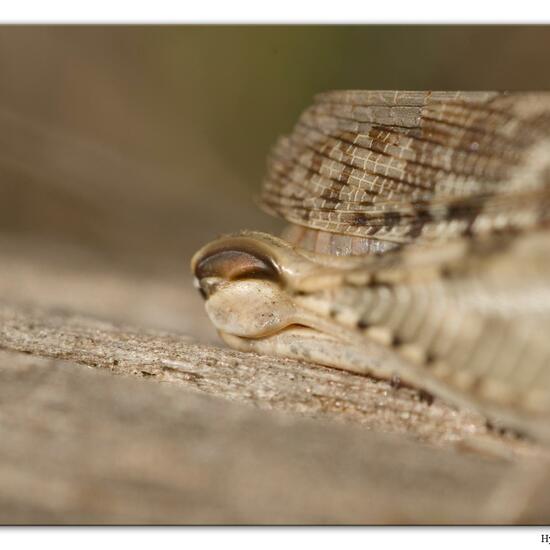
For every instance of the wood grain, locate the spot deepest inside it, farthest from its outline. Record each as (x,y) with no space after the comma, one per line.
(82,446)
(265,382)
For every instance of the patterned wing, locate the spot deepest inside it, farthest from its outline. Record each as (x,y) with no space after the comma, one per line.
(414,166)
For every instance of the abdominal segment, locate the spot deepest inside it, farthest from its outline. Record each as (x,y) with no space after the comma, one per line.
(304,343)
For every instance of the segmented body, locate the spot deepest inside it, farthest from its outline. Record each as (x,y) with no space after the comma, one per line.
(419,247)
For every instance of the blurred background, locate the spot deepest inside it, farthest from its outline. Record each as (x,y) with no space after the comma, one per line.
(125,148)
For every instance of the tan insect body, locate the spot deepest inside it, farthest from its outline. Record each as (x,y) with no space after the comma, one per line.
(419,248)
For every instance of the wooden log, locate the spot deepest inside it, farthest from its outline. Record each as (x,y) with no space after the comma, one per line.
(80,445)
(265,382)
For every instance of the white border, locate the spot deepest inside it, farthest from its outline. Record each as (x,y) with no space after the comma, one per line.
(360,538)
(280,11)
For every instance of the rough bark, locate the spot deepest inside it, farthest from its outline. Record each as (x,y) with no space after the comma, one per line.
(84,446)
(266,382)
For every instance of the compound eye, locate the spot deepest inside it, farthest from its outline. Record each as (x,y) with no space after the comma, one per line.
(234,264)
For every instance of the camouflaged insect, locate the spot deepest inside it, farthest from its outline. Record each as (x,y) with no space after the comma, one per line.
(418,247)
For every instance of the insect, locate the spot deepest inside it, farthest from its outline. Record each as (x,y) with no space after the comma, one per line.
(418,246)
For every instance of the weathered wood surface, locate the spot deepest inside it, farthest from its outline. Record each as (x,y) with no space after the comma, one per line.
(83,446)
(266,382)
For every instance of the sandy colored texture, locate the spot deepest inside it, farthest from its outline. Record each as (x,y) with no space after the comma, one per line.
(265,382)
(83,446)
(74,279)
